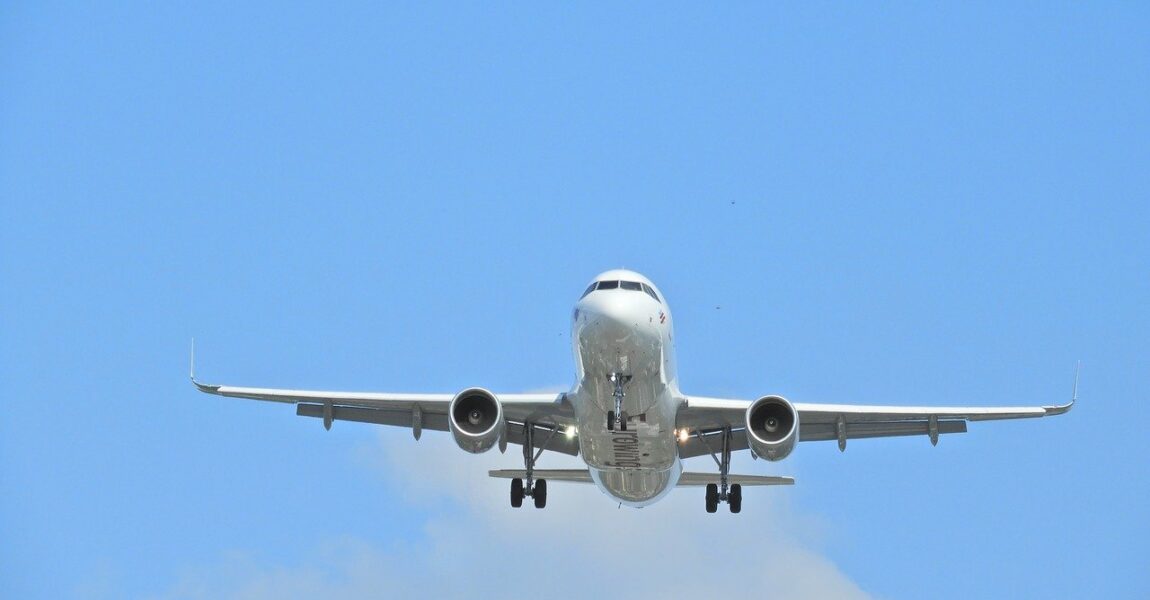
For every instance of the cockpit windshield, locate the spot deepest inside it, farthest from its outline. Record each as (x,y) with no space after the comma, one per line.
(630,286)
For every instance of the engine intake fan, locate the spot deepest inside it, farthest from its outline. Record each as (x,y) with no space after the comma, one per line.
(772,427)
(475,417)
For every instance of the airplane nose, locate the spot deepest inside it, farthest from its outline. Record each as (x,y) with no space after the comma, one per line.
(619,313)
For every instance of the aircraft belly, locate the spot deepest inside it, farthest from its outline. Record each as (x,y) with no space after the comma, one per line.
(637,488)
(639,447)
(648,443)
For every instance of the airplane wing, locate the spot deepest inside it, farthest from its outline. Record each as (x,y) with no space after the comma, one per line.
(548,413)
(843,422)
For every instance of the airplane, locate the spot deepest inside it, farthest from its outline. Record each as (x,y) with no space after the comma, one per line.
(625,416)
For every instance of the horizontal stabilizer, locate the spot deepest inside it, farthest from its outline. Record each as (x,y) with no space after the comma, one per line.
(748,480)
(575,475)
(686,479)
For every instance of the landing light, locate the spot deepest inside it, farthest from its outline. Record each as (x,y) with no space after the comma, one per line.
(684,435)
(571,431)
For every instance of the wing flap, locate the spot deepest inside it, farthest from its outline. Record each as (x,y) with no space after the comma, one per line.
(398,418)
(813,432)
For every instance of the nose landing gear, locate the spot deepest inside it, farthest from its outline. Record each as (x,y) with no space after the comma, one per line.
(617,419)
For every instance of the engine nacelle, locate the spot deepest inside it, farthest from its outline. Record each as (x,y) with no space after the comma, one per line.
(475,417)
(772,427)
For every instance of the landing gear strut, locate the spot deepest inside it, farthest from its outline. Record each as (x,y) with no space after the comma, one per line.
(723,491)
(528,486)
(617,419)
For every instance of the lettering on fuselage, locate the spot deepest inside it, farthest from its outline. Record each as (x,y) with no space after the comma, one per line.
(625,448)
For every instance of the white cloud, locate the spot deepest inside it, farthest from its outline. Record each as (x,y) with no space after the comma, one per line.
(580,545)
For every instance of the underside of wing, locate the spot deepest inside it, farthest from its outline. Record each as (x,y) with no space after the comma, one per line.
(842,422)
(704,419)
(547,436)
(550,415)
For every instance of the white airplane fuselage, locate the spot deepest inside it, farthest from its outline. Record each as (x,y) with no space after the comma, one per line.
(627,332)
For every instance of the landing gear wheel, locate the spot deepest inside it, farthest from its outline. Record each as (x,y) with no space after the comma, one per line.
(516,493)
(611,421)
(735,498)
(712,497)
(539,494)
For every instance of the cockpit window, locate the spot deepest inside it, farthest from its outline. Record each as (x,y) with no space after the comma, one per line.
(651,293)
(631,286)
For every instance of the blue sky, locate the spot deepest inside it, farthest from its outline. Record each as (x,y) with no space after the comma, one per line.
(880,204)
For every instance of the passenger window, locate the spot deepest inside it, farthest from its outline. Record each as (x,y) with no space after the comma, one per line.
(608,285)
(651,292)
(590,288)
(634,286)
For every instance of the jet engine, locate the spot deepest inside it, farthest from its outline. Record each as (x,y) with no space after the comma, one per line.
(475,417)
(772,427)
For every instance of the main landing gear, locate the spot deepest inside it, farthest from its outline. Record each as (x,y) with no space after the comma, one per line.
(617,419)
(520,488)
(723,491)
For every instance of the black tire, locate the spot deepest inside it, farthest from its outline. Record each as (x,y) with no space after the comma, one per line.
(623,422)
(735,498)
(516,492)
(610,420)
(712,497)
(540,493)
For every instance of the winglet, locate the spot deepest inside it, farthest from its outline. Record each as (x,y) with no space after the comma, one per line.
(1077,370)
(1062,408)
(192,373)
